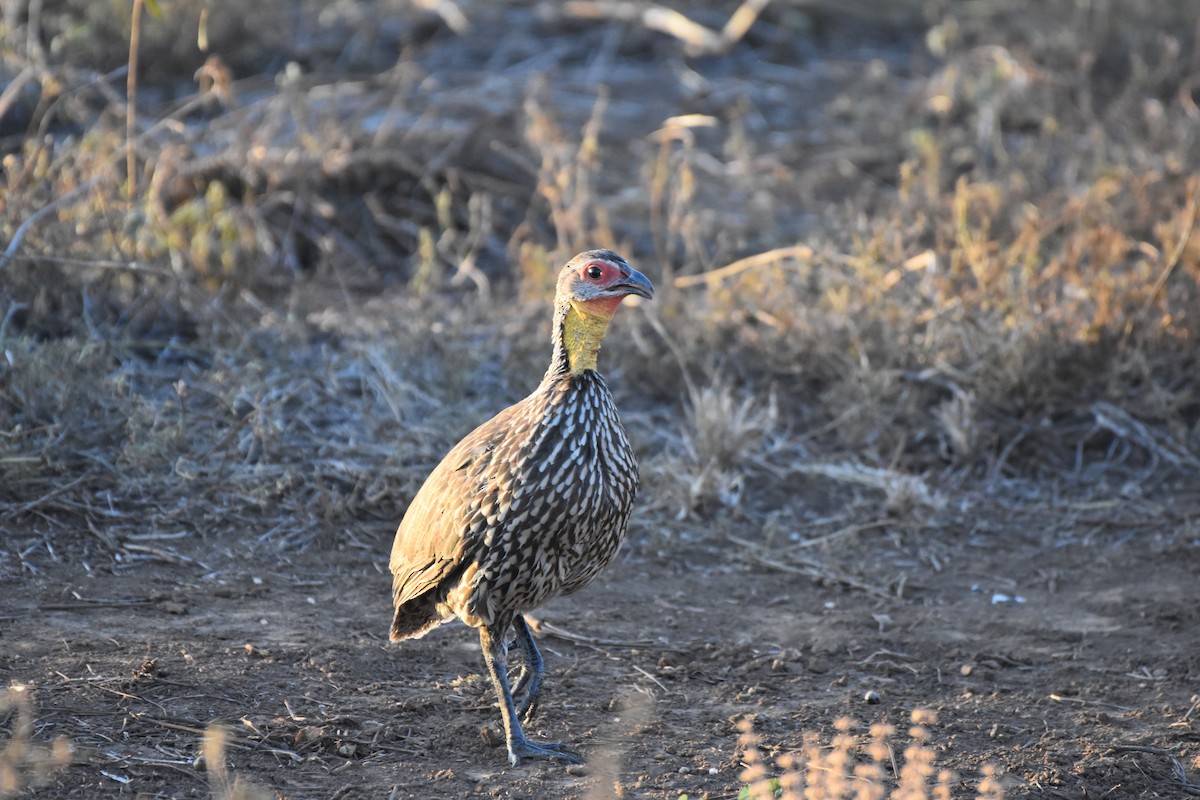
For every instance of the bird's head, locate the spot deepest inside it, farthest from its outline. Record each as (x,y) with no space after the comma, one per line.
(590,287)
(598,280)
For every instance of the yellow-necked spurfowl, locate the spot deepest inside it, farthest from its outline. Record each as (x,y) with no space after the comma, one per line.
(531,505)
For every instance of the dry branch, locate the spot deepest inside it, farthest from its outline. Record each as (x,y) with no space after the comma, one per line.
(14,246)
(541,627)
(797,252)
(1159,444)
(796,564)
(699,39)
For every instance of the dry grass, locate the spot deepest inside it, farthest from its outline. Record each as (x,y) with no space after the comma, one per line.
(857,767)
(1008,246)
(723,438)
(222,784)
(24,762)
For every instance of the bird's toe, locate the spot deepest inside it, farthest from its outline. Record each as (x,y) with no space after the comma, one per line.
(526,709)
(528,749)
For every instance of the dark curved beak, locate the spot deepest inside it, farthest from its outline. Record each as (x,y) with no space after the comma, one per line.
(634,283)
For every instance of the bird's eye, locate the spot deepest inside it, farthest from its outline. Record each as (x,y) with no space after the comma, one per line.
(594,272)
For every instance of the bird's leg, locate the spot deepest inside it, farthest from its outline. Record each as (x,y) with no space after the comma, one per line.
(530,680)
(518,678)
(494,655)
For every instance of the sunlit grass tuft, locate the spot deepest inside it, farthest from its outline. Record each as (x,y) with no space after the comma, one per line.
(856,767)
(24,762)
(222,784)
(722,439)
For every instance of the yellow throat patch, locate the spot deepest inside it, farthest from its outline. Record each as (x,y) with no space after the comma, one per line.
(583,329)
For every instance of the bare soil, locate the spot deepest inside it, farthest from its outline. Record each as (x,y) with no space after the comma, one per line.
(1085,688)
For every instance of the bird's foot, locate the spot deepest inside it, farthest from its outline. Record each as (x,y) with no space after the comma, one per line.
(523,748)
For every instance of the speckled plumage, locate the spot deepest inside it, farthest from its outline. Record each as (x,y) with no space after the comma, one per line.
(532,504)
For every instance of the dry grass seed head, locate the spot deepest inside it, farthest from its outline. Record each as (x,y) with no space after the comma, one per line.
(754,772)
(837,762)
(791,777)
(222,785)
(956,416)
(613,745)
(906,497)
(990,788)
(23,762)
(817,773)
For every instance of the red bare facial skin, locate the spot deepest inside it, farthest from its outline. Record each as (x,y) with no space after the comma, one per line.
(601,306)
(604,306)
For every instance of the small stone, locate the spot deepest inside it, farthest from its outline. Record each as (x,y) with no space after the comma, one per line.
(872,697)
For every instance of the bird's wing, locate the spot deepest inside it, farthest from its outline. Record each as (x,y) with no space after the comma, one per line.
(439,528)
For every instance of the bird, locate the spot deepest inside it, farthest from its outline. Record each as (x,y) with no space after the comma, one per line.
(531,505)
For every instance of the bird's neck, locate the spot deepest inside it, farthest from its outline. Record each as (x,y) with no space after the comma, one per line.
(579,328)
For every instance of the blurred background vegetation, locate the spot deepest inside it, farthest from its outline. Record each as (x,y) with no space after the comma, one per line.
(904,248)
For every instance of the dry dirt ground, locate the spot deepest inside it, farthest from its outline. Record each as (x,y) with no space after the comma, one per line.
(1086,689)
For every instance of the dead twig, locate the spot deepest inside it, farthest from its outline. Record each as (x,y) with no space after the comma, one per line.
(848,530)
(40,501)
(799,252)
(11,92)
(1079,701)
(450,13)
(84,605)
(15,245)
(131,87)
(1177,769)
(796,565)
(1159,444)
(653,679)
(698,39)
(549,629)
(230,740)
